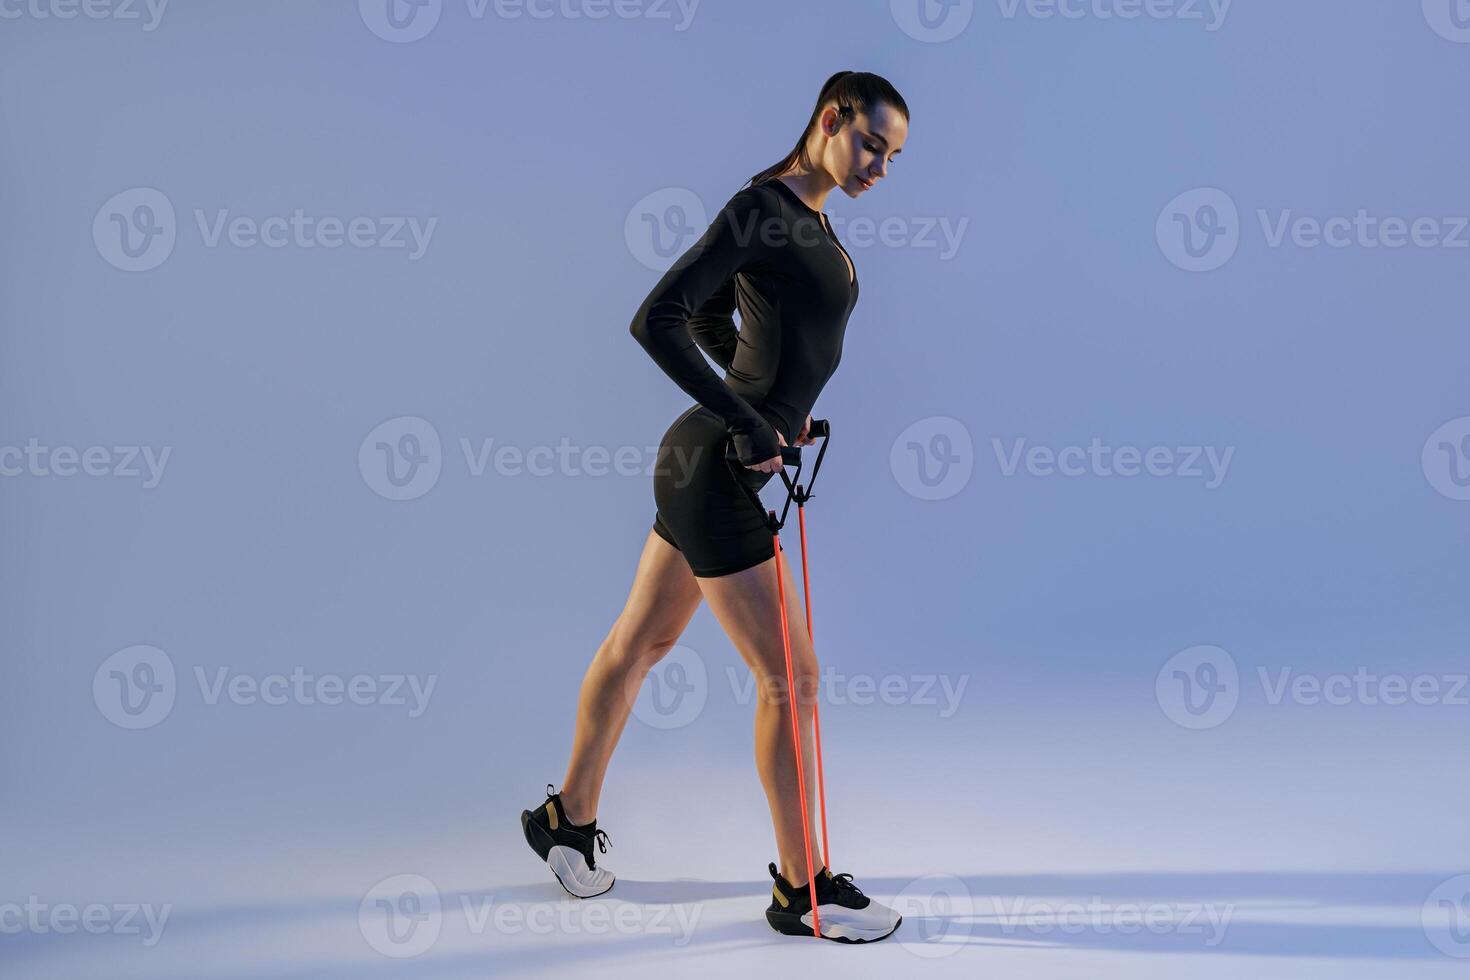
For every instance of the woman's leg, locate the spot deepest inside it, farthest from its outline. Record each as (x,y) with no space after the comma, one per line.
(746,605)
(660,604)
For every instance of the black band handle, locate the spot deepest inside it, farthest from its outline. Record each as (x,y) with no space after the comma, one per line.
(790,455)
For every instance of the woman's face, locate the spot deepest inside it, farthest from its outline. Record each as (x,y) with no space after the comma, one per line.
(857,155)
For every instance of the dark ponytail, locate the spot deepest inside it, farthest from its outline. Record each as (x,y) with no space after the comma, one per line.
(851,92)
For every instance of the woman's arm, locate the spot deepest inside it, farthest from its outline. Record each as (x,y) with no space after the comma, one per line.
(713,325)
(737,239)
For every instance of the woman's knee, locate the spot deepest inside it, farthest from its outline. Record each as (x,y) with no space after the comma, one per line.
(772,682)
(636,651)
(808,679)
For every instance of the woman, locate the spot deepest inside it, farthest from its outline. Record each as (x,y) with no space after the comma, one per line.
(771,253)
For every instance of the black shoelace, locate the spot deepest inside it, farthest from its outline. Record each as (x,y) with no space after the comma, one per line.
(601,836)
(842,885)
(602,841)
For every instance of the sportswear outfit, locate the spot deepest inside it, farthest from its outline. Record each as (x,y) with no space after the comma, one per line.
(774,258)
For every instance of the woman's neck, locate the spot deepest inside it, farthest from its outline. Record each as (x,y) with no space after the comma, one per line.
(812,188)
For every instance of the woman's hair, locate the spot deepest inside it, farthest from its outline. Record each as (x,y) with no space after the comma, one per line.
(853,91)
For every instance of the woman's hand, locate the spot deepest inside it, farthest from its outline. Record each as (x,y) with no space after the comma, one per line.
(802,439)
(775,463)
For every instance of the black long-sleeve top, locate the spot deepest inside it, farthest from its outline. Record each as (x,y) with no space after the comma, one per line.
(770,255)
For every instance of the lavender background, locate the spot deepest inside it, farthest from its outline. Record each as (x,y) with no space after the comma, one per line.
(1053,259)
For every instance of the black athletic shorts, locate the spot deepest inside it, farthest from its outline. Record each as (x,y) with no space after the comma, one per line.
(701,509)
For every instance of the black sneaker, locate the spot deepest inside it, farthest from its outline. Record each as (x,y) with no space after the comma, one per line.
(847,915)
(566,849)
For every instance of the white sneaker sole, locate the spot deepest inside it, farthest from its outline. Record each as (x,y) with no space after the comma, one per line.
(566,863)
(571,870)
(856,925)
(840,923)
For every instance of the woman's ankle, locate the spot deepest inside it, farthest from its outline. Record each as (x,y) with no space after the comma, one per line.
(578,813)
(795,876)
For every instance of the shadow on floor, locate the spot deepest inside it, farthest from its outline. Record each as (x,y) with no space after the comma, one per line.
(994,915)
